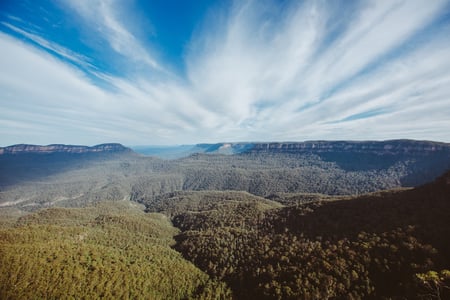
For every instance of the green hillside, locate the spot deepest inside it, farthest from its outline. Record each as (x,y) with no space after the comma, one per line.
(111,250)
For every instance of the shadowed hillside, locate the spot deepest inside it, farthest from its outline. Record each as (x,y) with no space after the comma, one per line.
(24,163)
(384,245)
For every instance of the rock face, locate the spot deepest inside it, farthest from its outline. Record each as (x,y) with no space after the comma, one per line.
(59,148)
(392,147)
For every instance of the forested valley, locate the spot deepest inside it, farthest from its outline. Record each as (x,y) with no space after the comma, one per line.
(278,224)
(32,180)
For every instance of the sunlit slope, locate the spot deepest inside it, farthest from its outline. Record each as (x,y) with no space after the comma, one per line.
(111,250)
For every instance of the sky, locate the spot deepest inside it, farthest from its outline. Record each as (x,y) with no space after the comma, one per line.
(167,72)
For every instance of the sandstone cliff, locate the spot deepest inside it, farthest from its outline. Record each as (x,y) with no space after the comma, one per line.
(59,148)
(391,147)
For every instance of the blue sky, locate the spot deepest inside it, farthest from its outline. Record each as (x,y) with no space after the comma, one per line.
(184,72)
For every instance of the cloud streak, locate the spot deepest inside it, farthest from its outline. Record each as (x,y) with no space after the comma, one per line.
(103,16)
(258,71)
(63,52)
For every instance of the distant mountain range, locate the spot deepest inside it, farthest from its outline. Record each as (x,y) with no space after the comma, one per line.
(65,175)
(390,147)
(179,151)
(60,148)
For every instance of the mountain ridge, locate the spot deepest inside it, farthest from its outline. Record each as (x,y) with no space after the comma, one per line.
(62,148)
(390,147)
(401,146)
(396,146)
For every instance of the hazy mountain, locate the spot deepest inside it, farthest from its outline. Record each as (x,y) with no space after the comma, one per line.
(173,152)
(165,152)
(390,147)
(60,148)
(37,176)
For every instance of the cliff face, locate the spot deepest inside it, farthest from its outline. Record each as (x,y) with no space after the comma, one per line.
(59,148)
(392,147)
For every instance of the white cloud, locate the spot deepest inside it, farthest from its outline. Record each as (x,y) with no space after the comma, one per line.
(380,27)
(264,72)
(68,54)
(266,75)
(101,16)
(58,103)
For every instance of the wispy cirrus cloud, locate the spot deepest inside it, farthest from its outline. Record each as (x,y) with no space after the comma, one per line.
(63,52)
(290,78)
(102,17)
(65,103)
(257,71)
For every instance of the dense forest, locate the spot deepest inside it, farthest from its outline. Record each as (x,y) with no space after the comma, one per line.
(111,251)
(278,224)
(390,245)
(384,245)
